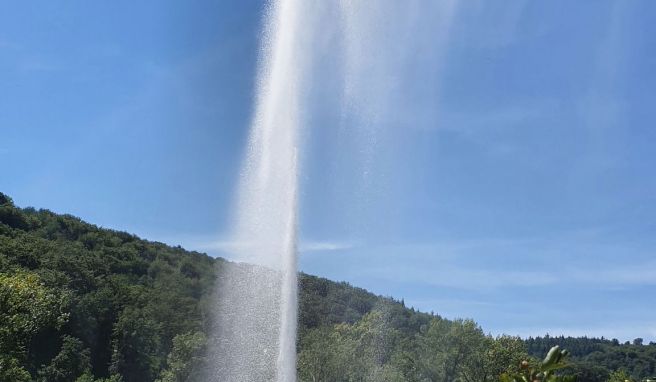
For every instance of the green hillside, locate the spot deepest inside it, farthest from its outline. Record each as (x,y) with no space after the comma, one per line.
(79,302)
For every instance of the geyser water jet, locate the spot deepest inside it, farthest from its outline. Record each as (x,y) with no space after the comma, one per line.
(256,315)
(354,52)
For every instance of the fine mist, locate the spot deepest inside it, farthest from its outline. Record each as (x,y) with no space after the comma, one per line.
(255,316)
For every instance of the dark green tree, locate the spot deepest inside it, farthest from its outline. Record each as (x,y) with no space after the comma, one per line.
(72,362)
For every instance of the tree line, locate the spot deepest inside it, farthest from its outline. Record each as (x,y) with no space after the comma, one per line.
(87,304)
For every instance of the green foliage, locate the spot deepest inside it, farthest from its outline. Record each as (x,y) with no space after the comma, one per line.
(27,307)
(323,302)
(72,362)
(81,303)
(12,370)
(375,349)
(594,359)
(619,376)
(116,299)
(135,346)
(446,347)
(505,355)
(363,351)
(185,359)
(544,371)
(89,378)
(319,358)
(10,215)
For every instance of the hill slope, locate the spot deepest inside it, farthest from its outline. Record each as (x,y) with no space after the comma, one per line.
(108,285)
(82,302)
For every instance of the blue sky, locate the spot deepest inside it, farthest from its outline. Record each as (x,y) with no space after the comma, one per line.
(510,178)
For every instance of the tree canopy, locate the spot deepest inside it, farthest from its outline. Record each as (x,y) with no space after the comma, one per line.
(83,303)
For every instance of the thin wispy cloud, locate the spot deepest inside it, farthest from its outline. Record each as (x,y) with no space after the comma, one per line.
(226,246)
(323,246)
(643,273)
(462,277)
(486,264)
(457,303)
(220,245)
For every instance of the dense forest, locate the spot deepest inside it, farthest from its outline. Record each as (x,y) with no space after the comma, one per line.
(83,303)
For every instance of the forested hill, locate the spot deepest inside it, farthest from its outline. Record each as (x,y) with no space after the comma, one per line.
(83,303)
(596,356)
(76,299)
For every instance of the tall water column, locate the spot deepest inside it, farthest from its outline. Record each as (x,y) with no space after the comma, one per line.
(256,314)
